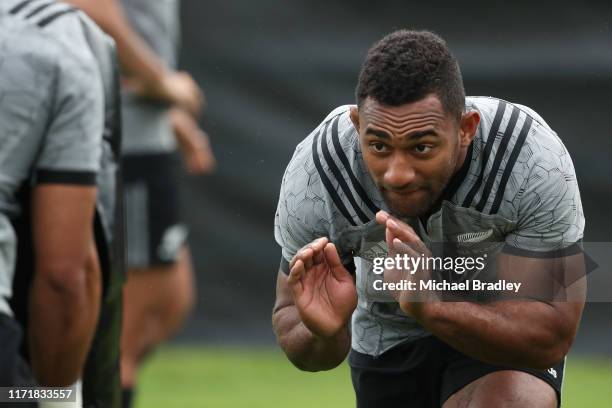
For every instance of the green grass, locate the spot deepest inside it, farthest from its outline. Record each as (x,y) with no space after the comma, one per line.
(588,383)
(213,377)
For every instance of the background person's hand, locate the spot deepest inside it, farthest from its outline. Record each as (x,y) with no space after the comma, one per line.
(193,143)
(184,92)
(323,289)
(174,87)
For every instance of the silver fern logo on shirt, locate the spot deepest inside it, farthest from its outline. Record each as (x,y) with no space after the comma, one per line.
(473,237)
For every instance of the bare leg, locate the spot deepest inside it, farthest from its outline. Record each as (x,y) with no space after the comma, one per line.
(156,302)
(504,389)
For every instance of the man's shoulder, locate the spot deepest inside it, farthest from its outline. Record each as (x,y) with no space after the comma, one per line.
(44,22)
(342,111)
(324,190)
(28,67)
(532,139)
(53,32)
(327,169)
(512,144)
(308,157)
(24,42)
(515,122)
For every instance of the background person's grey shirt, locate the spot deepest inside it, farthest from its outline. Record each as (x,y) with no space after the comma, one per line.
(146,126)
(51,111)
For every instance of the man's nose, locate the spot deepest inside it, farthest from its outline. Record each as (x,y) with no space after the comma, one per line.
(400,172)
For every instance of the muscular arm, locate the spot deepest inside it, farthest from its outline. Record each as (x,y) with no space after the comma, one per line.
(65,294)
(305,350)
(146,74)
(136,57)
(534,334)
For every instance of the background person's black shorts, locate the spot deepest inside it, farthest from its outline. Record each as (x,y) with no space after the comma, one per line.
(154,228)
(424,373)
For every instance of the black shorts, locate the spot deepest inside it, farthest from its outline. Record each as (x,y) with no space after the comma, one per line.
(424,373)
(154,228)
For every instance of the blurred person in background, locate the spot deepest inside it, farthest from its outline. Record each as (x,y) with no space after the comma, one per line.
(159,110)
(56,76)
(79,35)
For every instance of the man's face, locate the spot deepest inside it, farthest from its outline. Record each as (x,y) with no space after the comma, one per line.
(411,151)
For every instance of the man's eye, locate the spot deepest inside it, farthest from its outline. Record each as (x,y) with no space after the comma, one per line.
(422,148)
(378,147)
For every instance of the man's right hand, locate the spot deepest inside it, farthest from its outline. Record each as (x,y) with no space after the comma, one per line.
(183,91)
(323,289)
(193,142)
(174,87)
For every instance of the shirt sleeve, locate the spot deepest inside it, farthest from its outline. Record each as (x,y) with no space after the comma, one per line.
(551,218)
(291,230)
(305,210)
(72,143)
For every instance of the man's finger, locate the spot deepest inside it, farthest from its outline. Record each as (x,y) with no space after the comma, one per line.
(317,252)
(308,252)
(407,235)
(334,263)
(382,217)
(414,244)
(403,248)
(319,257)
(307,255)
(402,230)
(295,277)
(389,236)
(318,244)
(331,256)
(302,255)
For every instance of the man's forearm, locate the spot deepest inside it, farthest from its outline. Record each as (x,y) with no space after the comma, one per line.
(135,56)
(63,318)
(305,350)
(523,334)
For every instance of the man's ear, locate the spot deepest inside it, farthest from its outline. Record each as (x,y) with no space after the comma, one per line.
(354,113)
(468,127)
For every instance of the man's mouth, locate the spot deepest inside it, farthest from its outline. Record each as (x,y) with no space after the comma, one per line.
(403,192)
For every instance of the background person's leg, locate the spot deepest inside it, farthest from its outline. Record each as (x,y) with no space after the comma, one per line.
(156,302)
(160,289)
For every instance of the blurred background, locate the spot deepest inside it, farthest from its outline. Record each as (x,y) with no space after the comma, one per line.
(273,69)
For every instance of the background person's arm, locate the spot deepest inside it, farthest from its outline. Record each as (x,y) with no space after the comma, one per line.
(193,142)
(65,294)
(146,74)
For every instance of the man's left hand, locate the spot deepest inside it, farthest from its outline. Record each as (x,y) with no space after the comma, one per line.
(402,240)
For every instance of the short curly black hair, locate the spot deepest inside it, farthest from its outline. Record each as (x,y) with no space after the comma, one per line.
(405,66)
